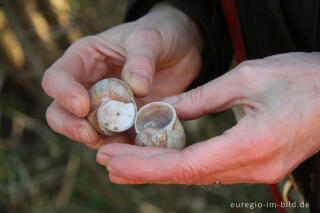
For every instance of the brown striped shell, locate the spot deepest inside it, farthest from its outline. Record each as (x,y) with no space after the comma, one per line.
(157,125)
(112,108)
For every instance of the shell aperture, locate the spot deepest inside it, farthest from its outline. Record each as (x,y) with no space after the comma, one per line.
(157,125)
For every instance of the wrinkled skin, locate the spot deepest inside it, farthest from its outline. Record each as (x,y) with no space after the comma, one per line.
(145,53)
(281,128)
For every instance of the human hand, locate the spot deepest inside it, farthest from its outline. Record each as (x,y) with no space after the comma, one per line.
(158,50)
(281,128)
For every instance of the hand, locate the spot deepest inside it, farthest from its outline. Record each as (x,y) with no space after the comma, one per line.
(156,55)
(281,128)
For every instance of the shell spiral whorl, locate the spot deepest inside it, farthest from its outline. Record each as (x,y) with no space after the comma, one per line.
(112,108)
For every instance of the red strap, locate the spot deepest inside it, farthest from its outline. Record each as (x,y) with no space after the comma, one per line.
(276,197)
(231,16)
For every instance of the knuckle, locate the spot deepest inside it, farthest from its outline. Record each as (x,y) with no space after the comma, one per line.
(141,63)
(83,47)
(72,130)
(245,71)
(185,174)
(186,171)
(248,69)
(197,95)
(147,32)
(150,33)
(45,82)
(87,50)
(251,74)
(150,36)
(84,41)
(246,66)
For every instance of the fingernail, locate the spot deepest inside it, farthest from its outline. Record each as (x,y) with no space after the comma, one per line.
(83,135)
(76,106)
(140,82)
(171,100)
(103,158)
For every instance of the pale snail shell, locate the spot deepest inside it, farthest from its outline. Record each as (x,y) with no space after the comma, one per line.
(112,108)
(157,125)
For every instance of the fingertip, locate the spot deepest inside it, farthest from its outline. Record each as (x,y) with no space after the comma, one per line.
(118,180)
(71,126)
(110,148)
(76,106)
(138,73)
(76,99)
(102,158)
(139,83)
(79,105)
(171,99)
(181,106)
(191,104)
(63,87)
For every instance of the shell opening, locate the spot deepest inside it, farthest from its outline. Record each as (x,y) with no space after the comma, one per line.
(116,116)
(154,116)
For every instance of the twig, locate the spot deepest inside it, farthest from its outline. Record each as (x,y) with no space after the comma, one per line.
(37,66)
(68,181)
(32,187)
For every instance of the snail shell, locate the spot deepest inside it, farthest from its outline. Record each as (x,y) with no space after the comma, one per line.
(157,125)
(112,109)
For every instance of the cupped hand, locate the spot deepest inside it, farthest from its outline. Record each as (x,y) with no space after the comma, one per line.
(281,128)
(157,55)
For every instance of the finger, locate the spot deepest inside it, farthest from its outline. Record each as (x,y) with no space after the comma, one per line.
(217,95)
(106,152)
(143,49)
(122,138)
(247,174)
(71,126)
(229,151)
(205,181)
(85,62)
(59,82)
(234,176)
(118,180)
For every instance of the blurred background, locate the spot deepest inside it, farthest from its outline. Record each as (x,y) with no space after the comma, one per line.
(41,171)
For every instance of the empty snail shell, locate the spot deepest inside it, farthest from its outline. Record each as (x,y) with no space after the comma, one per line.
(157,125)
(112,108)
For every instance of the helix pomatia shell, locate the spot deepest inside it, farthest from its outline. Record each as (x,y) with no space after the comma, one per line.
(157,125)
(112,106)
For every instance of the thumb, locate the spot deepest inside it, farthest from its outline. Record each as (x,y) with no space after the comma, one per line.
(143,49)
(217,95)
